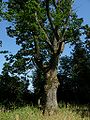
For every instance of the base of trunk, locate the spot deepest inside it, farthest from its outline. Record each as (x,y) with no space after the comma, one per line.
(51,105)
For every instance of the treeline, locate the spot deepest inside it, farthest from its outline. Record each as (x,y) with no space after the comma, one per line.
(14,91)
(73,75)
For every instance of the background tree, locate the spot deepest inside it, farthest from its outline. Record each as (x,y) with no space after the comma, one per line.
(74,72)
(0,18)
(81,72)
(13,90)
(65,88)
(38,84)
(42,28)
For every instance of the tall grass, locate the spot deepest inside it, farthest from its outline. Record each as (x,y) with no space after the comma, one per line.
(32,113)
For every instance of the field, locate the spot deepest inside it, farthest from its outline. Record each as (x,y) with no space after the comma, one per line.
(32,113)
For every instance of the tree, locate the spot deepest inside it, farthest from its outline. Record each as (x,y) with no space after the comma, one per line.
(41,28)
(64,77)
(13,90)
(81,72)
(0,19)
(1,15)
(0,9)
(74,74)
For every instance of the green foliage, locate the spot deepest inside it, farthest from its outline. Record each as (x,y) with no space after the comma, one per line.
(74,75)
(40,27)
(0,9)
(13,90)
(65,66)
(38,84)
(0,18)
(81,71)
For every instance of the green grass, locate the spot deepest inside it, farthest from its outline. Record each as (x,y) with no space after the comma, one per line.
(32,113)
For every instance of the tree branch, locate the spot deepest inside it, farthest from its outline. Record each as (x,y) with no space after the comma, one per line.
(61,42)
(46,36)
(54,4)
(48,14)
(50,20)
(37,56)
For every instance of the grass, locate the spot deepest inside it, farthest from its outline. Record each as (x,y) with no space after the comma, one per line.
(32,113)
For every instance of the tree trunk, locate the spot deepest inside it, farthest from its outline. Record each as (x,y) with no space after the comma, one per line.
(51,86)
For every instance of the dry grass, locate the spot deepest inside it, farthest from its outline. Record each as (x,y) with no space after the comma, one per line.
(31,113)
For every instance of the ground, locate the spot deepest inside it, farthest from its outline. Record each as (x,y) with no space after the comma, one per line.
(32,113)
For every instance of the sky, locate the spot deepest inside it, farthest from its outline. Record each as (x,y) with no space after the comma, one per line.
(82,7)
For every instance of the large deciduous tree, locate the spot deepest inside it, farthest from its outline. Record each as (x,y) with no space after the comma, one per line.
(41,28)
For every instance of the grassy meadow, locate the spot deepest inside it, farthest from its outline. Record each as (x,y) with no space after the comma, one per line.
(32,113)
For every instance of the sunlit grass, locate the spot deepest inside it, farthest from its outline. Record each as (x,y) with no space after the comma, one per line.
(32,113)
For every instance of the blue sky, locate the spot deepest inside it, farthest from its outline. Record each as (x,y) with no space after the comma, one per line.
(82,7)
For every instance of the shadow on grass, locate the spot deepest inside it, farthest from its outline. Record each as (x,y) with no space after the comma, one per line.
(11,107)
(82,110)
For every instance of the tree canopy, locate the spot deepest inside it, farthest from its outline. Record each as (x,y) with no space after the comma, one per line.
(41,28)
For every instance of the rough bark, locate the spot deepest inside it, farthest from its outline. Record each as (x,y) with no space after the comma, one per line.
(51,86)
